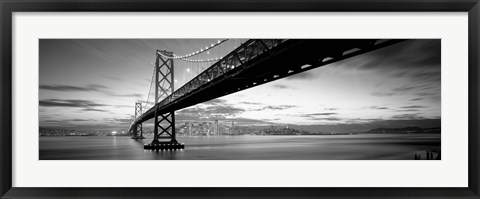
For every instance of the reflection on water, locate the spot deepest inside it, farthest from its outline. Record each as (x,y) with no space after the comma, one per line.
(325,147)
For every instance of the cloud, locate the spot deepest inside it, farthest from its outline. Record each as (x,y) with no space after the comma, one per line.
(306,75)
(280,86)
(376,107)
(320,116)
(122,120)
(68,120)
(382,94)
(216,109)
(279,107)
(426,94)
(101,51)
(274,119)
(414,116)
(113,78)
(421,85)
(238,121)
(405,88)
(124,106)
(416,99)
(328,119)
(421,74)
(135,95)
(95,109)
(417,87)
(415,58)
(69,103)
(228,110)
(181,116)
(223,110)
(317,114)
(251,103)
(88,88)
(85,105)
(412,107)
(411,54)
(415,62)
(215,102)
(408,110)
(247,121)
(330,109)
(145,102)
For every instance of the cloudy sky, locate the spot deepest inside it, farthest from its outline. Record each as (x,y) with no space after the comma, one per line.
(94,84)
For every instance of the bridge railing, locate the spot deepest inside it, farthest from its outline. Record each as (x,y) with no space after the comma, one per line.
(244,53)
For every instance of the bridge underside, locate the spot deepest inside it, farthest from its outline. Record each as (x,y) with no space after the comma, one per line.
(288,58)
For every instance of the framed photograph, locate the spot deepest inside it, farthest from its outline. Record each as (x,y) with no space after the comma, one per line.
(239,99)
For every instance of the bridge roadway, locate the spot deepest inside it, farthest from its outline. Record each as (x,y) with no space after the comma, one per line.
(260,61)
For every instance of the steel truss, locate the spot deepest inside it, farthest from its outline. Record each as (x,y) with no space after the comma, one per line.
(139,127)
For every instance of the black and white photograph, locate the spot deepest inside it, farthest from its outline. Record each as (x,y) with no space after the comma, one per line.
(239,99)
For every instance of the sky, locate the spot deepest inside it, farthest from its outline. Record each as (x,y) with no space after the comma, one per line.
(94,84)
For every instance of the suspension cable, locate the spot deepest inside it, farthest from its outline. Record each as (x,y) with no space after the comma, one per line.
(150,89)
(213,45)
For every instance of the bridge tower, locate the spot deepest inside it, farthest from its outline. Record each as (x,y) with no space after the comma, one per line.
(139,127)
(164,126)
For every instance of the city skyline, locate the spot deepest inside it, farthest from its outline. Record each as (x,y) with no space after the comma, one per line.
(95,83)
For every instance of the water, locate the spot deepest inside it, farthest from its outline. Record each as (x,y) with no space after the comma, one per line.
(325,147)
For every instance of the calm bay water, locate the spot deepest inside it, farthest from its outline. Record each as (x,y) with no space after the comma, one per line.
(324,147)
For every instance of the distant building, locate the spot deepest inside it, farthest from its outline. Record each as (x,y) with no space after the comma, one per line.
(215,131)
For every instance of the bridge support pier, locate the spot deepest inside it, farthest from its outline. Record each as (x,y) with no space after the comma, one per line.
(139,127)
(165,122)
(136,130)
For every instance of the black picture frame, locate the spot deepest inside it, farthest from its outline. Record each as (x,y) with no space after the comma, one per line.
(7,7)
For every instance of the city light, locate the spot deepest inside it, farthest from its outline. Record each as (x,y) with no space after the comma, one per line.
(196,53)
(114,132)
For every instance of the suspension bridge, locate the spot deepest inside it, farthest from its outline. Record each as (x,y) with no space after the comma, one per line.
(245,65)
